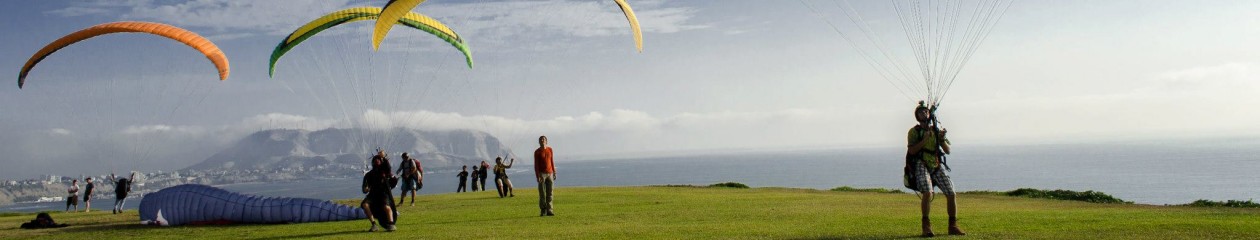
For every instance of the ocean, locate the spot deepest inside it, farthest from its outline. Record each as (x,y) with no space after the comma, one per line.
(1150,173)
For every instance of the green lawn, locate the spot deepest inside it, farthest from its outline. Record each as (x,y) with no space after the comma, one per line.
(705,213)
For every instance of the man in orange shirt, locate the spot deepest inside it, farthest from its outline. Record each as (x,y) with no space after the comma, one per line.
(545,171)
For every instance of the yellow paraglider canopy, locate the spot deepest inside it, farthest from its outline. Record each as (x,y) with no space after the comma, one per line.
(393,10)
(634,23)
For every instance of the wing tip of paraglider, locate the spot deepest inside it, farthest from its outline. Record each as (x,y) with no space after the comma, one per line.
(378,37)
(377,34)
(21,80)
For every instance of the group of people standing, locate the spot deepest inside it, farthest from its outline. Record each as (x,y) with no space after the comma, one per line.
(925,169)
(501,182)
(122,187)
(478,177)
(379,182)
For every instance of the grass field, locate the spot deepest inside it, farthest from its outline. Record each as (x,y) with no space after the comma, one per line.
(704,213)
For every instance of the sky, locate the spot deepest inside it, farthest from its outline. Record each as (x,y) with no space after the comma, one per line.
(713,76)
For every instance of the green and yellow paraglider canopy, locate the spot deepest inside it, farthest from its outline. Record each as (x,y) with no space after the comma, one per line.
(411,19)
(398,9)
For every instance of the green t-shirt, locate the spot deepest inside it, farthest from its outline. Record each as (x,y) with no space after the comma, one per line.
(928,153)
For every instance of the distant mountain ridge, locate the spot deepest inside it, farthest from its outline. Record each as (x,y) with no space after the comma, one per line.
(292,149)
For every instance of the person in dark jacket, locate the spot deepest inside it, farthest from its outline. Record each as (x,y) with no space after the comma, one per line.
(463,180)
(379,202)
(87,194)
(476,176)
(483,173)
(122,187)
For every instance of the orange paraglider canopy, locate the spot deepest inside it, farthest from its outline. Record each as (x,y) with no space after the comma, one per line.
(189,38)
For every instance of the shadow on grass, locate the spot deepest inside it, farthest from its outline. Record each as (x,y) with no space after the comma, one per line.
(908,236)
(482,220)
(104,227)
(128,227)
(312,235)
(80,225)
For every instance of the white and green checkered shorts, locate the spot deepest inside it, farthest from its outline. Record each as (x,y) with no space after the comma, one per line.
(937,178)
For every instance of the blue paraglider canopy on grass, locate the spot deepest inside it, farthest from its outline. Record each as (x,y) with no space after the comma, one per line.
(201,204)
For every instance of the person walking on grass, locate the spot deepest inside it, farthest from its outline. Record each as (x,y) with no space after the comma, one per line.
(412,177)
(545,172)
(87,194)
(926,147)
(501,178)
(73,199)
(122,187)
(463,180)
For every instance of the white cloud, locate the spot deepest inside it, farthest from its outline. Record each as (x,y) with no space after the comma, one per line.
(230,19)
(616,130)
(492,24)
(512,22)
(165,147)
(97,7)
(164,130)
(623,130)
(1202,101)
(75,11)
(60,132)
(1224,78)
(281,121)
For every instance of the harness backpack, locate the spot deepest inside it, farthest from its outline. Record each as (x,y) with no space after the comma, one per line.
(123,187)
(408,167)
(907,173)
(416,168)
(42,220)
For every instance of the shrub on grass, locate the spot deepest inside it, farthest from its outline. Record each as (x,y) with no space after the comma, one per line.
(1229,203)
(874,190)
(984,192)
(676,185)
(1086,196)
(729,185)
